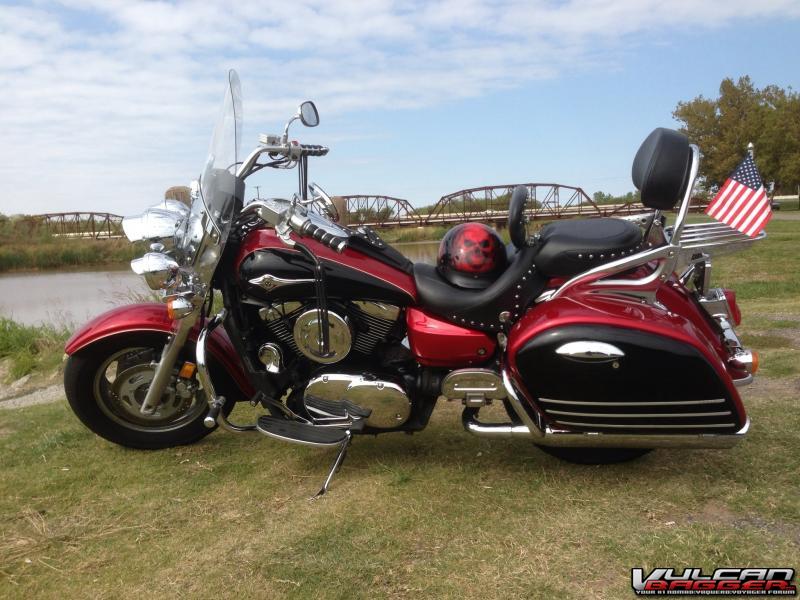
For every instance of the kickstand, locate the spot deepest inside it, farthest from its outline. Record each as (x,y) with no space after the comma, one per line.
(337,464)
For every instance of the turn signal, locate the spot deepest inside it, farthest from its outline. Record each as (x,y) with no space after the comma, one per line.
(746,360)
(187,370)
(177,308)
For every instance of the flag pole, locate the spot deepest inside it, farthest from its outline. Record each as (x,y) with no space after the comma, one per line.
(751,149)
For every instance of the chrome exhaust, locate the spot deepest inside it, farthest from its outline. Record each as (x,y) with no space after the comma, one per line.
(507,430)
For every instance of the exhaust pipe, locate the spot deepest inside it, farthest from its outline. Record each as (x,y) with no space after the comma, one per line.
(506,430)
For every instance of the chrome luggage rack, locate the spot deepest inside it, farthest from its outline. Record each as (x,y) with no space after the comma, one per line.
(712,239)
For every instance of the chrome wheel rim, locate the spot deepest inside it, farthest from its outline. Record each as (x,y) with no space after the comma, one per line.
(120,386)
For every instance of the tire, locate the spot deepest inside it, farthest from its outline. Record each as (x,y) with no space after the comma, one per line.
(584,455)
(594,456)
(107,407)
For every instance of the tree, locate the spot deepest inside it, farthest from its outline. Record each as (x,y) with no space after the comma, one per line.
(722,127)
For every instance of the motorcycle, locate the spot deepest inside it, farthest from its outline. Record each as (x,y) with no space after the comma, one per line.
(601,338)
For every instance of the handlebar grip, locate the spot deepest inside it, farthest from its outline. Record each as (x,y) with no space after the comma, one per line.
(314,149)
(334,242)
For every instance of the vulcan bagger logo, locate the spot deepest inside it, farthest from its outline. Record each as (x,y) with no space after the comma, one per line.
(723,582)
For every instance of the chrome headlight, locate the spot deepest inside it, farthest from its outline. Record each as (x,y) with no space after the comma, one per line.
(159,270)
(158,223)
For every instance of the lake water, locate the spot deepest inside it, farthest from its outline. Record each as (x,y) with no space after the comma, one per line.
(74,297)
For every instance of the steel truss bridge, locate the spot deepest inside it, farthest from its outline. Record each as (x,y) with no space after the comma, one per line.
(93,225)
(487,204)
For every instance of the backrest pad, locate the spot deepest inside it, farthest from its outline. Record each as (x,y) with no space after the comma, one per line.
(661,168)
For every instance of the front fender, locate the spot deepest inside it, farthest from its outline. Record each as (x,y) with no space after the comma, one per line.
(153,317)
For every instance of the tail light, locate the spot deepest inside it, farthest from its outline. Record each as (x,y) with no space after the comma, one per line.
(736,314)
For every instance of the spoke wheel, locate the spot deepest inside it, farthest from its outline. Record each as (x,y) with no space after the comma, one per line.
(106,384)
(121,385)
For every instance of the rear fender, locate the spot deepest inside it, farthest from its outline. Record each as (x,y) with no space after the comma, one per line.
(153,317)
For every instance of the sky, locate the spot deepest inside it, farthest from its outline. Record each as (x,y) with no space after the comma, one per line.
(106,103)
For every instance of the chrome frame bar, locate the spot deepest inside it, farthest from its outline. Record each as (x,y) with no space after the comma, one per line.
(216,403)
(644,288)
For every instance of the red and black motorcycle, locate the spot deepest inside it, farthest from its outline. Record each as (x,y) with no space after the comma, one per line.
(601,337)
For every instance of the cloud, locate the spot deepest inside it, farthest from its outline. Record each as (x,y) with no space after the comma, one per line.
(106,103)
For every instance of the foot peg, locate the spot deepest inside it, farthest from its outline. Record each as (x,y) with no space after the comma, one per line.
(300,433)
(213,412)
(309,435)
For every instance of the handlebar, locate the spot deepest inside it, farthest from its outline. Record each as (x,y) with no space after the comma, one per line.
(295,150)
(313,150)
(323,237)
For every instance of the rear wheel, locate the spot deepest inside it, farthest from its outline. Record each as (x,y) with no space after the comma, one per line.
(584,455)
(107,381)
(594,456)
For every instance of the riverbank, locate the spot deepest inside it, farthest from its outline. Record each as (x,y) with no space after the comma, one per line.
(48,253)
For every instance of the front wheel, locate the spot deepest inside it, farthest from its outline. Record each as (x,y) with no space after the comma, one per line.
(107,381)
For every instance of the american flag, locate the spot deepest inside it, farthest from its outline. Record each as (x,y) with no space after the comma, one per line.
(742,202)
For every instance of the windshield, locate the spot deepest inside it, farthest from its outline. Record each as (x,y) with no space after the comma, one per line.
(212,209)
(218,181)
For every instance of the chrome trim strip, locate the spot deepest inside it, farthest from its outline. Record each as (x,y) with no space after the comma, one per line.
(270,282)
(590,351)
(743,381)
(648,426)
(640,416)
(673,403)
(573,439)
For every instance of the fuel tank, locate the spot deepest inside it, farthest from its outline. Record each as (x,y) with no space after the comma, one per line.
(615,366)
(269,270)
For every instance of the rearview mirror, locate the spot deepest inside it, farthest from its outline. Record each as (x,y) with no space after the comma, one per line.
(308,114)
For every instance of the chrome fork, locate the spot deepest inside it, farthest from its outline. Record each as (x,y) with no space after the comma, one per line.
(163,371)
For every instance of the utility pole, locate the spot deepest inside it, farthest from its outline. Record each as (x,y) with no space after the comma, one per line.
(751,149)
(258,193)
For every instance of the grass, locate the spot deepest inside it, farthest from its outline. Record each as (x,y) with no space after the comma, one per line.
(31,348)
(437,514)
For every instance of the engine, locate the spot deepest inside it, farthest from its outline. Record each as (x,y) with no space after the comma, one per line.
(357,326)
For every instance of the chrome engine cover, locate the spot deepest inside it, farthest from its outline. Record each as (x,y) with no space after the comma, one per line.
(390,405)
(306,336)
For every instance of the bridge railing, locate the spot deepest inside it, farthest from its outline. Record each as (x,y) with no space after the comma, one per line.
(92,225)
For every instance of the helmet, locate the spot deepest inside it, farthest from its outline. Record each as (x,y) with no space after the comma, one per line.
(471,255)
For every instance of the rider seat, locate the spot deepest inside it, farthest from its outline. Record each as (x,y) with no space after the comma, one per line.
(567,248)
(512,292)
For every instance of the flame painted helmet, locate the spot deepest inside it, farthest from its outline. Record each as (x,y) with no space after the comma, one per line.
(471,255)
